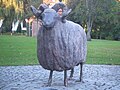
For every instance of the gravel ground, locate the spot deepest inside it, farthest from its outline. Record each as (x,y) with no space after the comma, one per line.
(95,77)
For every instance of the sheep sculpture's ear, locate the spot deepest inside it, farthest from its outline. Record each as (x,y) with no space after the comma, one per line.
(35,11)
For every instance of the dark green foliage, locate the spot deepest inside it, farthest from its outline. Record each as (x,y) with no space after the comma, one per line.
(104,14)
(107,24)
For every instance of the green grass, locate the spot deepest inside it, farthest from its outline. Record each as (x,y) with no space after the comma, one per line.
(103,52)
(17,50)
(21,50)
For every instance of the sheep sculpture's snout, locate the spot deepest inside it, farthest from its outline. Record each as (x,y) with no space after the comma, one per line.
(48,24)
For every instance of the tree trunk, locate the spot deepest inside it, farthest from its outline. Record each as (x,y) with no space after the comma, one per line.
(1,30)
(89,20)
(89,34)
(89,27)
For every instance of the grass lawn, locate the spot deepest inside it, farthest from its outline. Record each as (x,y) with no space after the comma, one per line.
(17,50)
(21,50)
(103,52)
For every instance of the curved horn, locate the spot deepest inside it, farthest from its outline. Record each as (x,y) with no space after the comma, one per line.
(66,12)
(36,12)
(42,7)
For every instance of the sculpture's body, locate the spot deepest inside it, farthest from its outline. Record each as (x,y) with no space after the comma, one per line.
(60,46)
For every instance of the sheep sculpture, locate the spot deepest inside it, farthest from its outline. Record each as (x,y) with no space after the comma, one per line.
(60,46)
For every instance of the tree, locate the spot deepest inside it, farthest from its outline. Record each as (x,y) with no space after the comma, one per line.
(11,10)
(27,4)
(85,12)
(97,15)
(108,20)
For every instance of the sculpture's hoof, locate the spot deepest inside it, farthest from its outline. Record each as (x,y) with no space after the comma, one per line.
(79,81)
(48,85)
(65,84)
(71,78)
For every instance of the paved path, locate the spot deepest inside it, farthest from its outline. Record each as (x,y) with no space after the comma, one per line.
(96,77)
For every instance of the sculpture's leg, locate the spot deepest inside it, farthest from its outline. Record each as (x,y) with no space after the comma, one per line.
(81,67)
(71,74)
(80,78)
(65,78)
(50,78)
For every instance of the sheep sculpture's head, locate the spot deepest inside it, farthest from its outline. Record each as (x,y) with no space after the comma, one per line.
(48,16)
